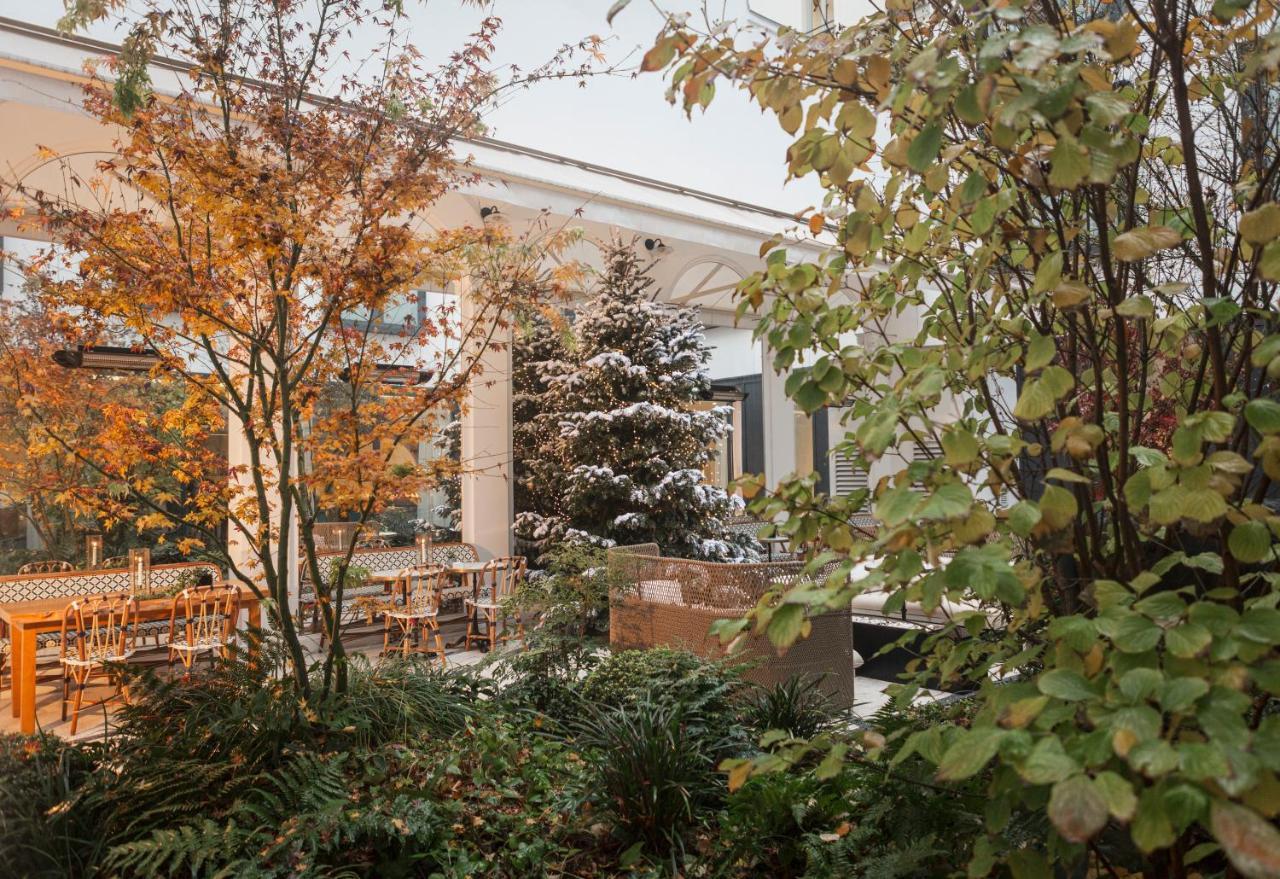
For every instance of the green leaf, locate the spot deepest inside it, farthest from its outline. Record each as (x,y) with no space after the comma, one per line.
(1250,542)
(960,447)
(1064,475)
(1140,243)
(1068,163)
(1118,795)
(1048,762)
(971,751)
(1077,809)
(923,151)
(1023,516)
(1048,273)
(1065,684)
(1137,306)
(1187,640)
(1263,415)
(1251,842)
(1269,262)
(1058,507)
(1040,351)
(1151,828)
(897,505)
(1039,395)
(1260,625)
(1181,693)
(948,501)
(1261,225)
(786,624)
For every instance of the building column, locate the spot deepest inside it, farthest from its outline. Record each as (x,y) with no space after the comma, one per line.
(779,422)
(488,503)
(240,544)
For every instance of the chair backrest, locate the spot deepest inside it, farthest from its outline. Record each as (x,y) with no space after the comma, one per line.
(115,561)
(502,575)
(420,586)
(204,614)
(48,566)
(98,626)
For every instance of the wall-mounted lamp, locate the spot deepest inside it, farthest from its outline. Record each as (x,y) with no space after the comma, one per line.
(491,216)
(656,247)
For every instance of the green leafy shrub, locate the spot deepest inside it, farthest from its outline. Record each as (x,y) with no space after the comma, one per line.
(570,596)
(653,767)
(1064,251)
(39,837)
(545,677)
(796,706)
(630,677)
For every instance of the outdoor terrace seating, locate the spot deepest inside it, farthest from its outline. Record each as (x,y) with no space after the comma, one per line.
(363,600)
(673,602)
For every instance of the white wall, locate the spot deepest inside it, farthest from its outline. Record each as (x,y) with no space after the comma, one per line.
(733,353)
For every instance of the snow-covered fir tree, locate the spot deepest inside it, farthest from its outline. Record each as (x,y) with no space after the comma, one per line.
(539,347)
(630,444)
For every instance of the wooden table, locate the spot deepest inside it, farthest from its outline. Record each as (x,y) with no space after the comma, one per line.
(27,619)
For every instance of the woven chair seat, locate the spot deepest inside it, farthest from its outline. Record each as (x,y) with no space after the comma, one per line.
(412,613)
(97,657)
(201,642)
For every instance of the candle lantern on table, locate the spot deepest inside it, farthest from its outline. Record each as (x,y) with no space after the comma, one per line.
(424,548)
(140,571)
(92,550)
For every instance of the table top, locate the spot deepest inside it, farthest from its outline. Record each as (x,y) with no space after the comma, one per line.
(44,609)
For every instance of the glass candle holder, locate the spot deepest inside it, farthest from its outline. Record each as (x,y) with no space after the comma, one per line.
(140,570)
(92,550)
(424,547)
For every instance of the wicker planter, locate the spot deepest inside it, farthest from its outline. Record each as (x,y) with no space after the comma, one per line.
(666,602)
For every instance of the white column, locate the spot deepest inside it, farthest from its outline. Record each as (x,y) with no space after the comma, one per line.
(779,422)
(487,499)
(239,542)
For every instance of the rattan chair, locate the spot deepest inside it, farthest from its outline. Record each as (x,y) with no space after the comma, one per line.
(498,582)
(115,561)
(202,620)
(415,607)
(97,631)
(47,566)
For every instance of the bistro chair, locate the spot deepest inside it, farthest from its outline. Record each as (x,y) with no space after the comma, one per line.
(418,610)
(498,582)
(115,561)
(202,620)
(96,631)
(48,566)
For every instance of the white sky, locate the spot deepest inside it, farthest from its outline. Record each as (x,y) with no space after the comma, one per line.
(620,122)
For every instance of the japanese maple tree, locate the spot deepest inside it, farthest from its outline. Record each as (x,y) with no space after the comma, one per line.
(249,232)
